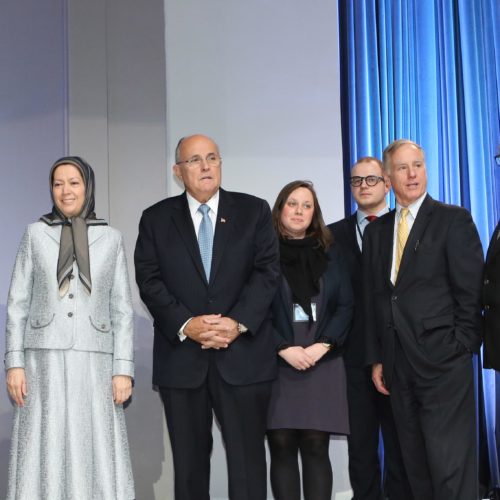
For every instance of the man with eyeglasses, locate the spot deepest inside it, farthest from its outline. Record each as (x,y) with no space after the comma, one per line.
(423,265)
(369,411)
(207,267)
(491,299)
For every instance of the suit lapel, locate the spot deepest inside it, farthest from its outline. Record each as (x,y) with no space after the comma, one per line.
(227,218)
(54,232)
(184,224)
(353,235)
(494,246)
(417,232)
(285,296)
(387,243)
(94,233)
(325,291)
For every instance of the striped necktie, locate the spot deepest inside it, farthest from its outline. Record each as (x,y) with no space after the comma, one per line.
(205,239)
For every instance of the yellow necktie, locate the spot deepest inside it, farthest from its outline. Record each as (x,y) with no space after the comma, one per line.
(402,236)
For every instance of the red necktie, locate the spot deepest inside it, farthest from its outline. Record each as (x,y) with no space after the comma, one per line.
(370,218)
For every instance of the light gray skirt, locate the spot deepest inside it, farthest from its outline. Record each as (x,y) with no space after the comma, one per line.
(69,441)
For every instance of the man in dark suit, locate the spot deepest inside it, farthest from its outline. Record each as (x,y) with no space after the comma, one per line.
(207,267)
(491,303)
(491,300)
(423,267)
(369,411)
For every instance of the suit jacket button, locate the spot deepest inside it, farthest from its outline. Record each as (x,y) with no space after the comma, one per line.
(394,298)
(37,323)
(70,296)
(103,326)
(70,314)
(486,281)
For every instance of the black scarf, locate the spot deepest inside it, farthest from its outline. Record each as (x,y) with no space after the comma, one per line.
(303,262)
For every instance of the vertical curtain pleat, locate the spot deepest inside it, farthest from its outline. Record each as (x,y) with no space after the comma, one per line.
(429,70)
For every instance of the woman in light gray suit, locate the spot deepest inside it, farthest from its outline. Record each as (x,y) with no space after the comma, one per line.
(69,352)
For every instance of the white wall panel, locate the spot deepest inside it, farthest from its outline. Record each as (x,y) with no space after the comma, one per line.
(32,135)
(105,80)
(262,78)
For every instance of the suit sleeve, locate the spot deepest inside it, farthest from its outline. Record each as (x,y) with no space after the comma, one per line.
(18,304)
(373,350)
(281,339)
(253,304)
(465,271)
(122,317)
(168,313)
(340,321)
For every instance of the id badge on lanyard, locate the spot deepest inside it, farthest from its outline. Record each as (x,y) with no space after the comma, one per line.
(299,315)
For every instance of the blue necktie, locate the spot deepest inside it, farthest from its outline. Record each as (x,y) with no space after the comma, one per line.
(205,239)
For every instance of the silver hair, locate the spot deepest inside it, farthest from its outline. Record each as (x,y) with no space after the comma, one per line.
(393,147)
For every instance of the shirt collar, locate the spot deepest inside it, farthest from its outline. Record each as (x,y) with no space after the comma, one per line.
(194,204)
(361,216)
(413,208)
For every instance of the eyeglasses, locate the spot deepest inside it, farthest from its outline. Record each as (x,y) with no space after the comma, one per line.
(212,160)
(371,180)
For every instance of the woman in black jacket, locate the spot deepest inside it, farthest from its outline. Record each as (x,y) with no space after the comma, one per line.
(312,312)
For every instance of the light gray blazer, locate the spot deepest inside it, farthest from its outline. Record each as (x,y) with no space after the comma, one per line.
(37,317)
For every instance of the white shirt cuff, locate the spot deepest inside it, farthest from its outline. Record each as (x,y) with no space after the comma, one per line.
(180,333)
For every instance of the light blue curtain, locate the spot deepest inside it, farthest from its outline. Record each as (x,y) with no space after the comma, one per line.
(429,70)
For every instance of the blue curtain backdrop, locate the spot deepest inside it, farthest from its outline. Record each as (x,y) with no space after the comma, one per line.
(429,70)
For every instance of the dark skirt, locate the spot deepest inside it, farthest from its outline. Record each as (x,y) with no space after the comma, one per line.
(314,399)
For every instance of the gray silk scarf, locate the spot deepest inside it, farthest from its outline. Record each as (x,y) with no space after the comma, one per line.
(74,243)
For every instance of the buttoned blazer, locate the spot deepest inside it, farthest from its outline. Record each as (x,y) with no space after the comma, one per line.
(38,318)
(491,303)
(334,314)
(243,281)
(344,235)
(435,304)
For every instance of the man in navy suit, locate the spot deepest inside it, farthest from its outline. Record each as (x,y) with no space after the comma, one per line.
(491,303)
(491,300)
(423,266)
(207,267)
(369,411)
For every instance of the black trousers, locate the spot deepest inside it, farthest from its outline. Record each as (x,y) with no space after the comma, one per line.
(241,412)
(369,413)
(436,422)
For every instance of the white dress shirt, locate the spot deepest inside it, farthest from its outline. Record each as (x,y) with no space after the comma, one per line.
(196,216)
